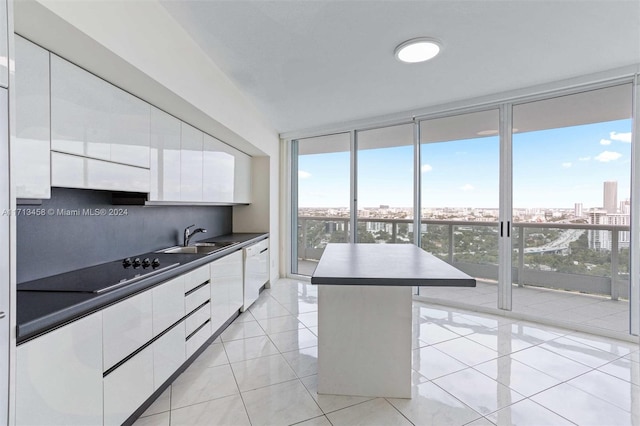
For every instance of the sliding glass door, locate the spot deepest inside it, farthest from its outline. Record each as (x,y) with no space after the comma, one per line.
(571,207)
(385,162)
(321,206)
(459,200)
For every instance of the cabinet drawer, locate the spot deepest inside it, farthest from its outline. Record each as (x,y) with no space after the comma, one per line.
(168,305)
(127,387)
(168,354)
(198,339)
(197,298)
(127,326)
(198,318)
(196,277)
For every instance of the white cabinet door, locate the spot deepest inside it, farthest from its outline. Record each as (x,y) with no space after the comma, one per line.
(59,376)
(190,163)
(130,129)
(168,354)
(218,171)
(31,150)
(197,339)
(127,326)
(242,185)
(4,56)
(127,387)
(106,131)
(168,304)
(72,171)
(80,111)
(226,288)
(165,157)
(92,118)
(256,273)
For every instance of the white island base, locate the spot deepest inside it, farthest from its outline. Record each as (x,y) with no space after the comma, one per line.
(364,335)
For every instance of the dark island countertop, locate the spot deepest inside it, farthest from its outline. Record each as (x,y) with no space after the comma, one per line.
(42,311)
(386,264)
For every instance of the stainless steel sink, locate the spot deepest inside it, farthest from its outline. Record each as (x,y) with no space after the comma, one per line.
(197,248)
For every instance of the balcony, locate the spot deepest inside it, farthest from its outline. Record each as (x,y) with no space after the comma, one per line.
(564,273)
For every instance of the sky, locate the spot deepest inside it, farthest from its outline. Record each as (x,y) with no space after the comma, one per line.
(553,168)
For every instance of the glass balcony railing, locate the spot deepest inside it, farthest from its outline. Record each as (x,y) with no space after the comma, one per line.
(590,259)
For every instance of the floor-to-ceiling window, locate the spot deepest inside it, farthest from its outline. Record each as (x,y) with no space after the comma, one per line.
(385,185)
(459,199)
(571,207)
(566,210)
(322,202)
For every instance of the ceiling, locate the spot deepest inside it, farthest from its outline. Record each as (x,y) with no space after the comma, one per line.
(308,64)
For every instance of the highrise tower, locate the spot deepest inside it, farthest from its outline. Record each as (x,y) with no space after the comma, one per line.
(610,202)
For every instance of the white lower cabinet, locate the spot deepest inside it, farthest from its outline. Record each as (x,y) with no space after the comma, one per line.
(128,386)
(59,376)
(168,304)
(256,270)
(168,354)
(101,368)
(226,288)
(198,338)
(127,326)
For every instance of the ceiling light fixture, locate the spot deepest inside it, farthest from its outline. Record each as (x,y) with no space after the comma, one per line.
(417,50)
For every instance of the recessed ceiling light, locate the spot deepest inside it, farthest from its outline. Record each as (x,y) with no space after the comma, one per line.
(417,50)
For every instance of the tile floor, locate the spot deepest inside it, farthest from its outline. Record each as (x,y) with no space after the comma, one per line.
(601,314)
(468,369)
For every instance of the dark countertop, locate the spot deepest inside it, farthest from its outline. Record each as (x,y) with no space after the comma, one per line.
(40,312)
(386,264)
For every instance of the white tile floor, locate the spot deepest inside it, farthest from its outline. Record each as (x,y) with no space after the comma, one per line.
(469,369)
(599,314)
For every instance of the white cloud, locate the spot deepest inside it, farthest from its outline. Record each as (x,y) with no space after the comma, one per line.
(622,137)
(605,142)
(303,175)
(426,168)
(567,165)
(606,156)
(584,158)
(467,187)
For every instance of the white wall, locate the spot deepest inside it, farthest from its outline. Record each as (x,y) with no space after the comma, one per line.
(137,46)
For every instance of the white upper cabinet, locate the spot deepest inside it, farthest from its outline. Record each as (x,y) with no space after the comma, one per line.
(218,171)
(190,163)
(129,129)
(4,55)
(92,118)
(31,148)
(165,156)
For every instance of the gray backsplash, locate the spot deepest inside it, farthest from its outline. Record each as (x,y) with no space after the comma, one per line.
(54,242)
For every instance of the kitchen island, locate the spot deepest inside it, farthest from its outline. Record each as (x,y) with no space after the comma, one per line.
(364,315)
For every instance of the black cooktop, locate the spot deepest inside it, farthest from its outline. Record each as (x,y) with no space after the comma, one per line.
(105,277)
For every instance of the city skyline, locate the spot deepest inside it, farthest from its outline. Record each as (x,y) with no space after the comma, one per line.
(573,161)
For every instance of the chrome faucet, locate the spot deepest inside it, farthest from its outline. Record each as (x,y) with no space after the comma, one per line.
(188,234)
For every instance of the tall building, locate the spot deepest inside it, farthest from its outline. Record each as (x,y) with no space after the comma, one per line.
(577,210)
(601,240)
(610,203)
